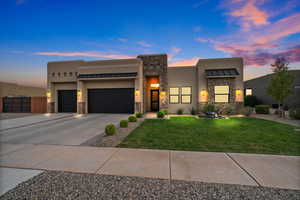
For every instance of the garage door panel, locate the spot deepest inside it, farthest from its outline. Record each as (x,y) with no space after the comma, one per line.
(67,101)
(111,100)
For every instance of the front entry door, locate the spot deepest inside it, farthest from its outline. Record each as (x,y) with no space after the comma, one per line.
(155,100)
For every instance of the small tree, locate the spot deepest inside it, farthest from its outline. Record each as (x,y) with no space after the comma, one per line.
(280,86)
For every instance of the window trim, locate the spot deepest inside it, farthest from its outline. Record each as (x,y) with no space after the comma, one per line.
(178,95)
(227,94)
(182,95)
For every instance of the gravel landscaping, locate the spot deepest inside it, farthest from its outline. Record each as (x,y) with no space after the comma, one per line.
(61,185)
(121,134)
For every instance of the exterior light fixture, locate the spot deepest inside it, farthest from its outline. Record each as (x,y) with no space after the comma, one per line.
(48,94)
(203,96)
(163,97)
(238,95)
(79,96)
(154,85)
(137,96)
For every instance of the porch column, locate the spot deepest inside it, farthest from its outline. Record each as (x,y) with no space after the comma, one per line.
(81,98)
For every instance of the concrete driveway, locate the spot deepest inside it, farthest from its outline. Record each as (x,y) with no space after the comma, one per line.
(67,130)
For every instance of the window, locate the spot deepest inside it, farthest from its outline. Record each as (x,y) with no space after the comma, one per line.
(248,92)
(65,73)
(174,95)
(58,73)
(70,74)
(186,95)
(222,94)
(53,74)
(76,73)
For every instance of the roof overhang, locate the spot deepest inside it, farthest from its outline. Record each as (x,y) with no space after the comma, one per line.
(218,73)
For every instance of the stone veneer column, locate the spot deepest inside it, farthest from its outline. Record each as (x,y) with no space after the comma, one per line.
(81,104)
(156,65)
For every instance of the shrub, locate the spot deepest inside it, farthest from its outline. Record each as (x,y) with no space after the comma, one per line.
(132,118)
(124,123)
(294,113)
(110,129)
(208,108)
(138,115)
(179,111)
(193,111)
(251,101)
(247,111)
(160,114)
(262,109)
(229,110)
(165,111)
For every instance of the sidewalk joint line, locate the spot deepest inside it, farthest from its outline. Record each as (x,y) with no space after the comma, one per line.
(108,159)
(170,167)
(240,166)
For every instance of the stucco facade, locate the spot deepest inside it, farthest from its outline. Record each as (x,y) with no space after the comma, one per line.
(146,82)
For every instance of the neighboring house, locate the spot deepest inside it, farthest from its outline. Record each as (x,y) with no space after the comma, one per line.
(258,87)
(18,98)
(142,84)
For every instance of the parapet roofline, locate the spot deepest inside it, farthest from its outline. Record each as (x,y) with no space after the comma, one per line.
(208,59)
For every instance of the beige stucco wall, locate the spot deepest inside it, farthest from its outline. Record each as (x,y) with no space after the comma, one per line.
(93,67)
(15,90)
(220,63)
(181,77)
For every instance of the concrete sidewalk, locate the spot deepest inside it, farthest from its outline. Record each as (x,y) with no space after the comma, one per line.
(230,168)
(30,120)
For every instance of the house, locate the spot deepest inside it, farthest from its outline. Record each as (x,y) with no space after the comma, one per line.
(19,98)
(142,84)
(258,87)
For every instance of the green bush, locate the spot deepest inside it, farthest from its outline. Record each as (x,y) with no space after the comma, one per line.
(138,115)
(193,111)
(262,109)
(165,111)
(228,110)
(124,123)
(208,108)
(251,101)
(294,113)
(110,129)
(247,111)
(179,111)
(160,114)
(132,118)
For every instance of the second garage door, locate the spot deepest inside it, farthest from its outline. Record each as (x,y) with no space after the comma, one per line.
(111,100)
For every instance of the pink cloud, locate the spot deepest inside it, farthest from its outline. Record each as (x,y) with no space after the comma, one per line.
(144,44)
(282,28)
(186,62)
(174,51)
(84,54)
(248,14)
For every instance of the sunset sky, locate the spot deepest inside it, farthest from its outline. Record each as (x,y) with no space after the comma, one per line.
(34,32)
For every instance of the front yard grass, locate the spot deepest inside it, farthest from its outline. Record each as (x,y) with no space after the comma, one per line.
(243,135)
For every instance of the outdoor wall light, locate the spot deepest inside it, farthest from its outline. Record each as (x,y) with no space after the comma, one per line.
(203,96)
(238,95)
(48,94)
(137,96)
(154,85)
(79,96)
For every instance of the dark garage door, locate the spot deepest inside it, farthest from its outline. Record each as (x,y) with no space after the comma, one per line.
(16,104)
(111,100)
(67,101)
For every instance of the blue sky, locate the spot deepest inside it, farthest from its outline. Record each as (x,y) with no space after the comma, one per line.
(37,31)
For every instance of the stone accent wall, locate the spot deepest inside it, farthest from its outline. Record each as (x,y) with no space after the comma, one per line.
(81,108)
(211,82)
(156,65)
(51,107)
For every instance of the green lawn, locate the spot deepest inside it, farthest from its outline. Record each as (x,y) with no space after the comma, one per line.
(245,135)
